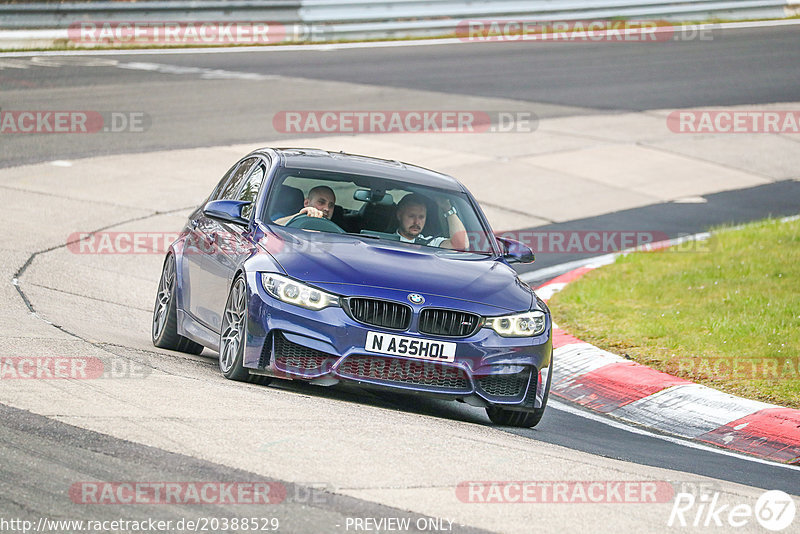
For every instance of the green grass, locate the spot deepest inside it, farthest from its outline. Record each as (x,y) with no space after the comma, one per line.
(724,313)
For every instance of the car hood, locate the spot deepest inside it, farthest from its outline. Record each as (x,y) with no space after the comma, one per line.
(324,259)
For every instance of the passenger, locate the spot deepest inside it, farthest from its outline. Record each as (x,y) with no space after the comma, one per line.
(412,212)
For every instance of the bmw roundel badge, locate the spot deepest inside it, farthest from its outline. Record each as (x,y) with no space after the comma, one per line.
(416,298)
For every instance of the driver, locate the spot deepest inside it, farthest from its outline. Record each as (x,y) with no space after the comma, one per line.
(318,203)
(412,212)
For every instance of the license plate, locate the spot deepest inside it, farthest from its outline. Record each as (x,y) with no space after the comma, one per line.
(425,349)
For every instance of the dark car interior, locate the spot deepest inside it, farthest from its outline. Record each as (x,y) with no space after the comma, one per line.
(289,200)
(372,216)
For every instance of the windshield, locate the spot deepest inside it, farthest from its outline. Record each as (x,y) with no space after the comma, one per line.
(376,208)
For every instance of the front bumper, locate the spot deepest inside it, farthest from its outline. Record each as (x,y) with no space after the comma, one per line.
(328,346)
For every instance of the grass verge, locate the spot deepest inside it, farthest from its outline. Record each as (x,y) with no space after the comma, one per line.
(724,313)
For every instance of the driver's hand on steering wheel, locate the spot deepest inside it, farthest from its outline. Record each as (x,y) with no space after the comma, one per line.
(310,211)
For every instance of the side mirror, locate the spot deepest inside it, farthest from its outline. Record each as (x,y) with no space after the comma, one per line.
(227,210)
(514,251)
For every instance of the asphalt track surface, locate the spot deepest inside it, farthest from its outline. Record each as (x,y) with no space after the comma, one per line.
(743,66)
(734,67)
(35,488)
(738,67)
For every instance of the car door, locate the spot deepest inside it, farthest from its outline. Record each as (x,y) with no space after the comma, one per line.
(195,246)
(233,243)
(205,237)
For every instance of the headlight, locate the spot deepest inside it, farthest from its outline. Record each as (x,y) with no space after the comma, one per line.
(526,324)
(299,294)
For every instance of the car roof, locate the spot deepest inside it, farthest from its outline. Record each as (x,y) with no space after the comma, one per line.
(341,162)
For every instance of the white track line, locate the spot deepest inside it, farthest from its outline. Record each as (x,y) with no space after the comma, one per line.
(564,407)
(325,47)
(562,268)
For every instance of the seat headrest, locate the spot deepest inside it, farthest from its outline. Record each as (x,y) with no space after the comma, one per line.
(288,202)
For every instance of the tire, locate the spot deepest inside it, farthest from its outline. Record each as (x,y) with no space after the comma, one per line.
(506,417)
(164,331)
(232,336)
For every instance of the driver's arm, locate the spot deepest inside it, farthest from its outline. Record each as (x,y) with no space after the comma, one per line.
(308,210)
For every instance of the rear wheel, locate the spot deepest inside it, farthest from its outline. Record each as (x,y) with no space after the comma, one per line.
(232,336)
(165,314)
(506,417)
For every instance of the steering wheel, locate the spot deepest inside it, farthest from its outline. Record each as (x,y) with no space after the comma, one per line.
(320,224)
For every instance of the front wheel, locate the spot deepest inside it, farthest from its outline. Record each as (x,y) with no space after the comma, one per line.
(506,417)
(232,336)
(164,331)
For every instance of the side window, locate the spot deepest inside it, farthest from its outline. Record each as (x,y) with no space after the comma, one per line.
(232,187)
(215,195)
(250,189)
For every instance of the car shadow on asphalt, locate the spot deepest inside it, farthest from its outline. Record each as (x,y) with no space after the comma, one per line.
(411,403)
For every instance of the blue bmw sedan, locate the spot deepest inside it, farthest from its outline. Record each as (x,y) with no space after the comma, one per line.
(328,267)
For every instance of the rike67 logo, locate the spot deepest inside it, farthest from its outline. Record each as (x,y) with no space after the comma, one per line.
(774,510)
